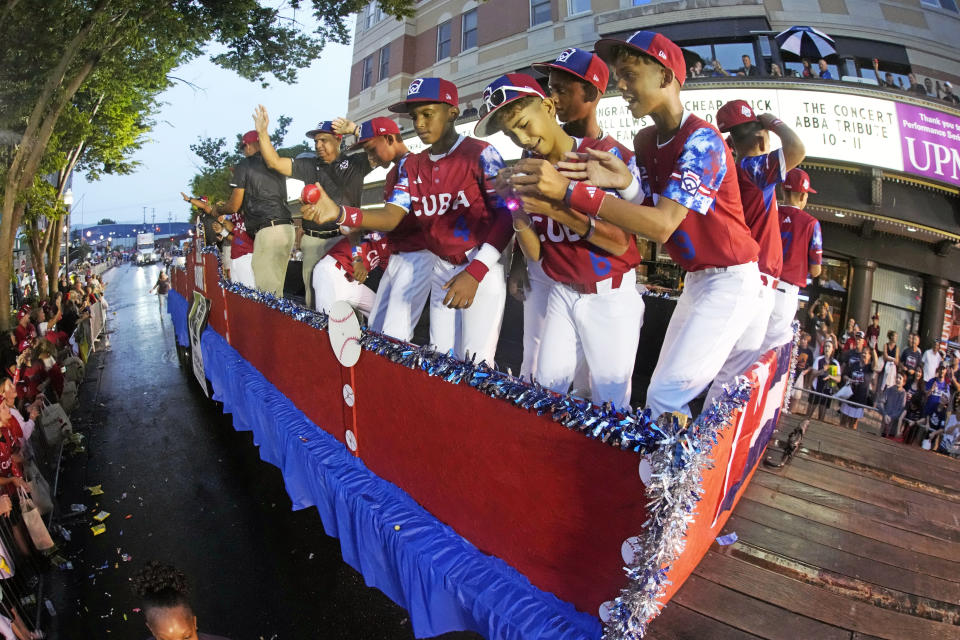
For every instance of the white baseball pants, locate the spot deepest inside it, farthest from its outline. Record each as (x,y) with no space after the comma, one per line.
(534,315)
(241,270)
(780,328)
(601,328)
(749,348)
(402,293)
(476,329)
(710,318)
(330,284)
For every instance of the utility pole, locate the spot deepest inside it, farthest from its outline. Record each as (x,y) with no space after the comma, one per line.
(144,216)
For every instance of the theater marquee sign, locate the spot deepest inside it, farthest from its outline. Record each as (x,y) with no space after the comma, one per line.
(833,126)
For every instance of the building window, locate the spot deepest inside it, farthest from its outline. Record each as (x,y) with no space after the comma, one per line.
(373,13)
(384,63)
(366,72)
(577,6)
(949,5)
(469,30)
(539,12)
(443,41)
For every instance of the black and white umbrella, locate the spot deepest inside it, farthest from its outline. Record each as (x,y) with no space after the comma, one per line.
(806,42)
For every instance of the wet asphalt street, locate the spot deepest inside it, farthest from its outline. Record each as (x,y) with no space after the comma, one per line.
(183,487)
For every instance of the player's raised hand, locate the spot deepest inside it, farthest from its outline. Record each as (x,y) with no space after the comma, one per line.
(343,126)
(599,168)
(537,177)
(461,290)
(323,210)
(261,119)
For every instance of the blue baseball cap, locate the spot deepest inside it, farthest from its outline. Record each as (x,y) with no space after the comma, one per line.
(502,91)
(324,126)
(427,90)
(583,64)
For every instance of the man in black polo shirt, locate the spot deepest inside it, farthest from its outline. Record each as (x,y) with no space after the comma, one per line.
(341,176)
(263,195)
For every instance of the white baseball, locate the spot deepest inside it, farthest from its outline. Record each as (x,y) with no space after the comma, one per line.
(344,330)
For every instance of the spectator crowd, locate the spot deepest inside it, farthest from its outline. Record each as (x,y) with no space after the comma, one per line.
(42,368)
(915,393)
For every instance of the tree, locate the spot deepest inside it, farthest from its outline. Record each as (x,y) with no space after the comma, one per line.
(107,221)
(53,50)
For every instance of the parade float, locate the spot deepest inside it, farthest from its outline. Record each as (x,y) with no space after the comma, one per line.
(474,499)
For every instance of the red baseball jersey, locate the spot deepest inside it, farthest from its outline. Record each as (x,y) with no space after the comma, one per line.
(375,250)
(242,242)
(694,170)
(453,199)
(568,258)
(407,236)
(758,177)
(802,244)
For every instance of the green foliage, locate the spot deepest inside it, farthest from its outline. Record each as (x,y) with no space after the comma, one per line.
(107,221)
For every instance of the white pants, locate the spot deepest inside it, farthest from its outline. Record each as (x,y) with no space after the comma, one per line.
(711,317)
(330,284)
(476,329)
(402,293)
(534,315)
(241,270)
(313,249)
(750,346)
(601,328)
(780,328)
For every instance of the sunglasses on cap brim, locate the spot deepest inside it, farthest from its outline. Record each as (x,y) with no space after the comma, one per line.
(496,97)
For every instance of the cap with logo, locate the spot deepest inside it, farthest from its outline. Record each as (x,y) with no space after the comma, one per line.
(797,181)
(583,64)
(734,113)
(427,90)
(379,126)
(324,126)
(250,137)
(656,45)
(502,91)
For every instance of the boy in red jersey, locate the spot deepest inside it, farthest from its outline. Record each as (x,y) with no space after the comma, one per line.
(690,203)
(759,171)
(577,80)
(592,300)
(802,252)
(448,187)
(405,285)
(340,275)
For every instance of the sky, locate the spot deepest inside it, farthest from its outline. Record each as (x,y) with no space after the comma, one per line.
(220,105)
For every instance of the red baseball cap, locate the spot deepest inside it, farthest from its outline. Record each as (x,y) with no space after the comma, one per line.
(656,45)
(797,181)
(502,91)
(427,90)
(250,136)
(583,64)
(380,126)
(734,113)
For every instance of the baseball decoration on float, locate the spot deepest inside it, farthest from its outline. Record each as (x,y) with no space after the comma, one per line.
(344,330)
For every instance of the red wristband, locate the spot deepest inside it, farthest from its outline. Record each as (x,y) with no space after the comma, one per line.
(352,217)
(587,199)
(477,269)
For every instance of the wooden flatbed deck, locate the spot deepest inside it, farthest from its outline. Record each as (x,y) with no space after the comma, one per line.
(858,538)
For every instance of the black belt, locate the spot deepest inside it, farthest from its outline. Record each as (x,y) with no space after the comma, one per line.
(324,234)
(270,223)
